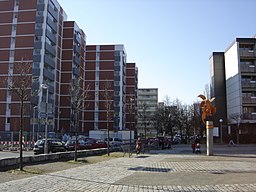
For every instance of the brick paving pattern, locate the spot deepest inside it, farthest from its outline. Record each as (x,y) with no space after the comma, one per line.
(158,172)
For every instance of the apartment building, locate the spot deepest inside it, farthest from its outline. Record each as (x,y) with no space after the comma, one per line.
(240,82)
(106,76)
(71,75)
(147,106)
(30,32)
(131,96)
(37,33)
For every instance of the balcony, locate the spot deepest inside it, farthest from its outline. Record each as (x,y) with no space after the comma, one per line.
(39,32)
(246,53)
(248,68)
(52,24)
(35,86)
(51,89)
(78,38)
(249,116)
(51,49)
(48,74)
(76,60)
(34,100)
(39,19)
(249,100)
(49,61)
(40,7)
(38,45)
(37,58)
(76,71)
(248,84)
(53,12)
(77,49)
(51,36)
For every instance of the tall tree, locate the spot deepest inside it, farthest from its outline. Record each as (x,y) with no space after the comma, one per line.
(108,97)
(19,84)
(144,116)
(79,94)
(236,118)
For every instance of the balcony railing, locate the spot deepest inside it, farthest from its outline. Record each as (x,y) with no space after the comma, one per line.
(249,100)
(249,84)
(249,116)
(248,68)
(246,53)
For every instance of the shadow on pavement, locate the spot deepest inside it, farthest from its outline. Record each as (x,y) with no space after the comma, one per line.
(150,169)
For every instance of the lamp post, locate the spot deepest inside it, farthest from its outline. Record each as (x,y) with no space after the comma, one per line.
(33,130)
(221,121)
(238,130)
(44,86)
(130,112)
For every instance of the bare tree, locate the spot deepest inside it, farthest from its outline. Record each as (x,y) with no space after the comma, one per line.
(19,84)
(236,118)
(144,115)
(78,96)
(108,95)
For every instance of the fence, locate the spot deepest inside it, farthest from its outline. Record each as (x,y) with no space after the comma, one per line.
(9,140)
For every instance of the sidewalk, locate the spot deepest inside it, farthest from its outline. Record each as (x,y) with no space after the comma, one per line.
(177,169)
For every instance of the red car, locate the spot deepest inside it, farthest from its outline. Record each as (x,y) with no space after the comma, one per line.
(91,143)
(70,145)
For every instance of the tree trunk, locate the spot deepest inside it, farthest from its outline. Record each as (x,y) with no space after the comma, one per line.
(21,132)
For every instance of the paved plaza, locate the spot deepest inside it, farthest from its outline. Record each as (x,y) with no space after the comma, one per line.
(230,169)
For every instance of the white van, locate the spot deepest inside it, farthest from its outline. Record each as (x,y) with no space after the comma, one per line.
(114,142)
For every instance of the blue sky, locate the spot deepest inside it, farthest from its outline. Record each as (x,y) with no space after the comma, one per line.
(169,40)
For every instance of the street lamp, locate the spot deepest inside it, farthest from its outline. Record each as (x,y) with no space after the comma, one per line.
(221,121)
(33,131)
(130,113)
(44,86)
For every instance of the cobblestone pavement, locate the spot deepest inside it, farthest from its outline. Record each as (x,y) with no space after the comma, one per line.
(150,172)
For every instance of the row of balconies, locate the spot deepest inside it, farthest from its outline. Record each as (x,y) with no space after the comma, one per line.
(248,68)
(249,100)
(248,84)
(249,116)
(247,53)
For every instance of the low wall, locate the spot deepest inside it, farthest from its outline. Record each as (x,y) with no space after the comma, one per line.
(50,157)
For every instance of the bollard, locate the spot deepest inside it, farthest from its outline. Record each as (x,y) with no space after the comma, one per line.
(209,129)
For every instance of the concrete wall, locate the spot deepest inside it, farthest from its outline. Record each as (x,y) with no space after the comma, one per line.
(50,157)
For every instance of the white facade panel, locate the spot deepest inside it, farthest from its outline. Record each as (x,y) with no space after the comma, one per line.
(233,81)
(232,61)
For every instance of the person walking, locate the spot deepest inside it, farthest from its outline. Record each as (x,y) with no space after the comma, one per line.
(138,145)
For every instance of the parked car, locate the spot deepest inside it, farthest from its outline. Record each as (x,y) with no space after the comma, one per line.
(70,144)
(54,145)
(100,143)
(91,143)
(114,142)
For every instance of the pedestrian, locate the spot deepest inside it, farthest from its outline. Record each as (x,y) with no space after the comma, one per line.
(231,143)
(138,145)
(193,146)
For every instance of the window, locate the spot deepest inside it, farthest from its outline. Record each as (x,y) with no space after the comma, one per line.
(39,13)
(12,53)
(39,25)
(11,65)
(14,27)
(78,34)
(8,119)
